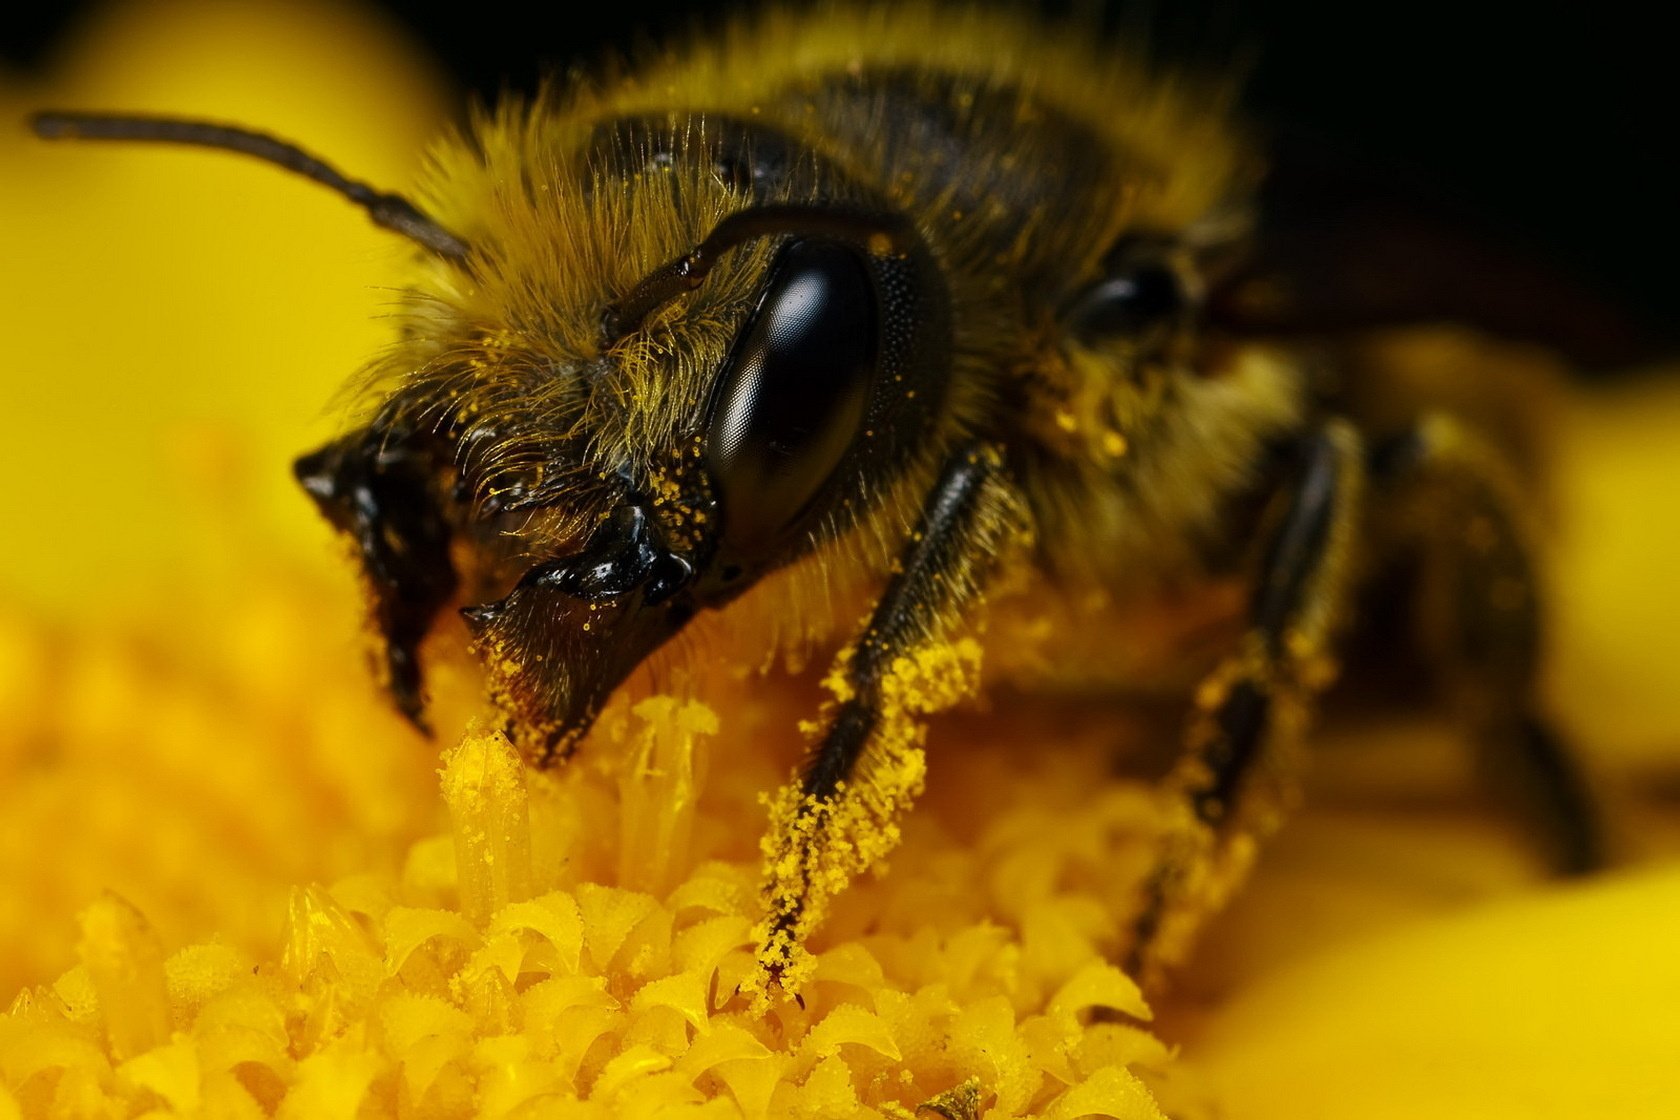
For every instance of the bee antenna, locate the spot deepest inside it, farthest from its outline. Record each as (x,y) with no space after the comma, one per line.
(390,211)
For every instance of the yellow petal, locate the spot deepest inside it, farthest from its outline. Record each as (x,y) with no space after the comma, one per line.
(170,1071)
(1560,1005)
(1108,1092)
(850,1024)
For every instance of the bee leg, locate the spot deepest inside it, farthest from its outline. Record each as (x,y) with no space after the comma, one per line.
(840,816)
(1458,504)
(377,491)
(1234,773)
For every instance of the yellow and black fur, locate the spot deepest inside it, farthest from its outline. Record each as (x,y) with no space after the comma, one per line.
(1025,261)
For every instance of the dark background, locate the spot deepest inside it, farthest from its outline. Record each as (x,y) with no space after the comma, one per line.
(1552,121)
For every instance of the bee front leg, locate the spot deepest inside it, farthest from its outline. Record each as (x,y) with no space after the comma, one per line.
(1235,772)
(840,816)
(376,486)
(1459,507)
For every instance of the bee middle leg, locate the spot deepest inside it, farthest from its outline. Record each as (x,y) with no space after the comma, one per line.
(1456,505)
(1250,710)
(840,816)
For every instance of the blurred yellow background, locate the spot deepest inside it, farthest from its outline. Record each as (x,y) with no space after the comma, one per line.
(177,324)
(177,321)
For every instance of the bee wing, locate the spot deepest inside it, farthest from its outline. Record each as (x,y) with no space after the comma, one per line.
(1346,245)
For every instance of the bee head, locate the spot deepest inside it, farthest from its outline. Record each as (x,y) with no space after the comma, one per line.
(638,371)
(636,433)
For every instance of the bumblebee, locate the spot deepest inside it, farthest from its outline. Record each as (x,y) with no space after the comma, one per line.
(851,320)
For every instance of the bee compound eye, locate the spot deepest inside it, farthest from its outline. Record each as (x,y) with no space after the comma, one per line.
(793,393)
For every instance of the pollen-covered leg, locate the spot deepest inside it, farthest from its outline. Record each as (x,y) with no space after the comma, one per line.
(1235,771)
(1457,504)
(841,815)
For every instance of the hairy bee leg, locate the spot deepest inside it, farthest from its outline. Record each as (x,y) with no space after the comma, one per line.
(841,815)
(1253,705)
(1477,612)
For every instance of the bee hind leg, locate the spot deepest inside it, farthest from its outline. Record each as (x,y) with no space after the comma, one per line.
(1458,506)
(1235,772)
(840,815)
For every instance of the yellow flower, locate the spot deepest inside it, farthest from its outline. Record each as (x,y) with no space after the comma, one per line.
(229,885)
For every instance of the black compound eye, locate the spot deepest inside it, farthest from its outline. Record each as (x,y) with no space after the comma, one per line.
(794,391)
(1140,300)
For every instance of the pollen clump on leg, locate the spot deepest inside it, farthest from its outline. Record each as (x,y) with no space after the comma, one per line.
(816,844)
